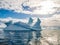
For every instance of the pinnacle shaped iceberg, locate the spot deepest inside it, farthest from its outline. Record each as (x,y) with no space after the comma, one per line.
(37,26)
(30,21)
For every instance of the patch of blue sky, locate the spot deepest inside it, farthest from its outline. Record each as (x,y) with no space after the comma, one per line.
(4,13)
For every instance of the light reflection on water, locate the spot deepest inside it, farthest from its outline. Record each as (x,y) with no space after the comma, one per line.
(50,27)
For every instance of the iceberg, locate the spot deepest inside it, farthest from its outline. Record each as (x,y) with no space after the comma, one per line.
(21,33)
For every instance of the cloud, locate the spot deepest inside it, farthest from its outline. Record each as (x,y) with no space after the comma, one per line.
(2,25)
(51,21)
(32,7)
(3,20)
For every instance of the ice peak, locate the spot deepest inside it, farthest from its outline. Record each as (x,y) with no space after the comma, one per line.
(30,21)
(37,24)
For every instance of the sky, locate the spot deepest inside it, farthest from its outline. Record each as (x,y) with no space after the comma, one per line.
(29,8)
(47,10)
